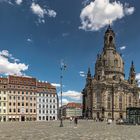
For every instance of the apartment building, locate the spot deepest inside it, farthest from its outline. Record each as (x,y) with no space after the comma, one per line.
(21,98)
(72,110)
(47,102)
(26,99)
(3,99)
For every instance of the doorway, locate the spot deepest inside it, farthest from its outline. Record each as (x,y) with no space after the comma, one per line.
(22,118)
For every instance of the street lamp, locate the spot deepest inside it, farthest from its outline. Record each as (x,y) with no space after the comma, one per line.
(62,68)
(112,102)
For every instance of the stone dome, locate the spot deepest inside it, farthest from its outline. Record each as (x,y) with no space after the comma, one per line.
(113,63)
(109,64)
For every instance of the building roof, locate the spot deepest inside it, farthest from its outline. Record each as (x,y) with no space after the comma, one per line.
(74,105)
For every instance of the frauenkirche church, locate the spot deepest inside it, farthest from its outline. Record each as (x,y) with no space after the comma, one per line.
(107,94)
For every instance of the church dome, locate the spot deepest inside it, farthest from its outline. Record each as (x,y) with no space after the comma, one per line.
(109,64)
(113,63)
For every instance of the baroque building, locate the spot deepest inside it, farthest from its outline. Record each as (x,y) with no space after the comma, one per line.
(107,94)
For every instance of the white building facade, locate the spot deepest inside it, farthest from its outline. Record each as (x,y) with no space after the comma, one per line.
(47,104)
(3,100)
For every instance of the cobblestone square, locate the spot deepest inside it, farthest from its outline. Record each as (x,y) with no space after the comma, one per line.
(86,130)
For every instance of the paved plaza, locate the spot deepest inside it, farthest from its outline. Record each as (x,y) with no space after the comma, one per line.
(86,130)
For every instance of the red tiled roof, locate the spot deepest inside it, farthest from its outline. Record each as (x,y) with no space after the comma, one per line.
(74,105)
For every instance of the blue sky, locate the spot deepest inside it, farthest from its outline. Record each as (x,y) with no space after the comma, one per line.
(35,35)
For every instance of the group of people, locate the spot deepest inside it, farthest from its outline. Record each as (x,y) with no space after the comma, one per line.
(75,120)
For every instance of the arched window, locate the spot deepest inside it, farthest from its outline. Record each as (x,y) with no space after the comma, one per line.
(120,102)
(108,102)
(105,62)
(110,39)
(129,101)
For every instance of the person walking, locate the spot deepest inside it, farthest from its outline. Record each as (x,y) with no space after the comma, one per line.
(70,120)
(76,121)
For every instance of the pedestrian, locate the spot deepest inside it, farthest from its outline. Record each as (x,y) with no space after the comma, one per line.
(70,120)
(76,121)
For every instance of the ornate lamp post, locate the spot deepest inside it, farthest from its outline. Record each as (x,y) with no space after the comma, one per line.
(62,68)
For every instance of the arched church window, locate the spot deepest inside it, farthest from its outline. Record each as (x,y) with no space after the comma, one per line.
(129,101)
(120,102)
(110,39)
(108,102)
(99,77)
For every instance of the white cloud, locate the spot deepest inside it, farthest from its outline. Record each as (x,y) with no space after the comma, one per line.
(55,84)
(138,78)
(29,40)
(123,48)
(51,13)
(41,12)
(97,14)
(82,73)
(128,10)
(73,95)
(18,2)
(38,10)
(9,68)
(64,102)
